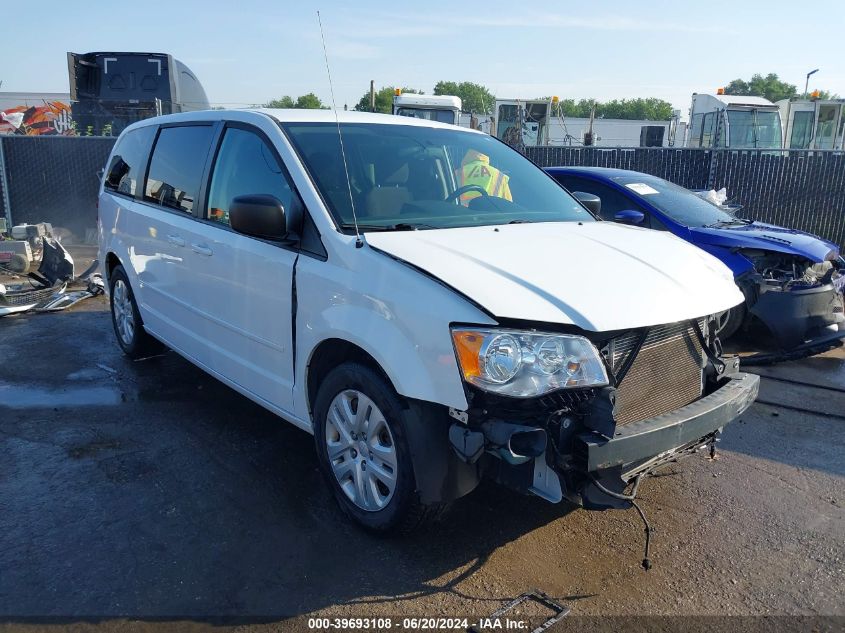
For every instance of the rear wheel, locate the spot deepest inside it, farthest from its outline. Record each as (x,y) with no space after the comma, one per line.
(126,320)
(363,450)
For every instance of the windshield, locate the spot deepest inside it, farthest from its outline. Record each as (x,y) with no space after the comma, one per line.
(680,204)
(404,177)
(430,114)
(755,128)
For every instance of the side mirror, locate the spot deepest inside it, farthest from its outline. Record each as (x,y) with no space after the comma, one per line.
(258,215)
(629,216)
(592,202)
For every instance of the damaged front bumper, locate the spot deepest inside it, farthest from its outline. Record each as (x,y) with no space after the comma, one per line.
(797,316)
(633,448)
(662,435)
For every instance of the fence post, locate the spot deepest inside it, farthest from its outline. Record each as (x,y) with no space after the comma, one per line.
(4,185)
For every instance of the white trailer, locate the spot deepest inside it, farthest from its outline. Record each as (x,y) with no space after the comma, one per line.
(738,122)
(442,108)
(813,123)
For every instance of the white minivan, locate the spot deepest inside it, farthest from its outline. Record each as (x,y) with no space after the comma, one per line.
(423,299)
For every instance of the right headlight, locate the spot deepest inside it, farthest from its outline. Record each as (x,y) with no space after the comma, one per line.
(523,363)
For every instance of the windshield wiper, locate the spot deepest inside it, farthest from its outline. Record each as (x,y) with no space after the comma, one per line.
(401,226)
(728,222)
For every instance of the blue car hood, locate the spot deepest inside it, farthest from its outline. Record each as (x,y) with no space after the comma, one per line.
(767,237)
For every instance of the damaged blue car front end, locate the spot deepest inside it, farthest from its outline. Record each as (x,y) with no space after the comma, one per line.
(793,281)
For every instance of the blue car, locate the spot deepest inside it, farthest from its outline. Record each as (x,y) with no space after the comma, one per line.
(792,281)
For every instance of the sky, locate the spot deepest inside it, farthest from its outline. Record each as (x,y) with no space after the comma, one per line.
(246,52)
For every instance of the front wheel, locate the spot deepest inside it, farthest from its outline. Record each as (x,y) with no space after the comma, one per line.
(363,451)
(729,321)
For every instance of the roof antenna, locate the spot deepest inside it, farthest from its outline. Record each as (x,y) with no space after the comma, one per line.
(359,241)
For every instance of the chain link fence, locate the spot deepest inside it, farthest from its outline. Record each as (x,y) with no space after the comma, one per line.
(801,189)
(53,179)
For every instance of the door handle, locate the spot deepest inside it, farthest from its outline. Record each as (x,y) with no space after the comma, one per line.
(202,249)
(176,240)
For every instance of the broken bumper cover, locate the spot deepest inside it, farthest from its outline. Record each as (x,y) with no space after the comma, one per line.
(647,439)
(793,316)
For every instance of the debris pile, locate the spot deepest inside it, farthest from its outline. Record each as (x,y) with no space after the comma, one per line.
(47,289)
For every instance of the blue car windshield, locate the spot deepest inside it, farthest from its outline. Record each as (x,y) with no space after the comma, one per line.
(680,204)
(402,177)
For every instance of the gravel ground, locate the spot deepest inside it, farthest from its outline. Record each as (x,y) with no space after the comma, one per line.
(133,494)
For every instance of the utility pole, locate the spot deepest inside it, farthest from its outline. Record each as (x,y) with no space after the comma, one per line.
(807,83)
(588,137)
(372,95)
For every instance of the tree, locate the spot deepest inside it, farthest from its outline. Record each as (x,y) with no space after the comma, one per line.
(284,103)
(648,109)
(474,97)
(769,87)
(303,102)
(309,101)
(384,99)
(578,109)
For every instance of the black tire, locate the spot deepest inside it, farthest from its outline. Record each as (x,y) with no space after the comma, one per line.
(18,264)
(139,344)
(404,512)
(732,322)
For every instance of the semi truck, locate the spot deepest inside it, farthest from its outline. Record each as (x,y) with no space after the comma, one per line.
(442,108)
(813,123)
(110,90)
(735,121)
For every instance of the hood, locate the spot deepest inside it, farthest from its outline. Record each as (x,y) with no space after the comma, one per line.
(766,237)
(599,276)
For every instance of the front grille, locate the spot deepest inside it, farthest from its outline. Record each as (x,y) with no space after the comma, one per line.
(665,375)
(19,298)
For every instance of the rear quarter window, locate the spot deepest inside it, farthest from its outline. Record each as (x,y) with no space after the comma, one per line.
(177,165)
(129,158)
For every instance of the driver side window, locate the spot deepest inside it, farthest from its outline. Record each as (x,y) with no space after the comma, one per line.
(245,165)
(612,201)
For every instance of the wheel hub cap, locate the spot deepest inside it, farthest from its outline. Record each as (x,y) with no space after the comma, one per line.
(361,450)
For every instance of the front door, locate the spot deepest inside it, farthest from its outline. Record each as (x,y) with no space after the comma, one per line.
(241,287)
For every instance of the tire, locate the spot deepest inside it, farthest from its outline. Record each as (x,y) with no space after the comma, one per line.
(126,320)
(730,321)
(18,264)
(368,497)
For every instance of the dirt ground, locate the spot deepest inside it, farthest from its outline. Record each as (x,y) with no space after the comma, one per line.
(138,495)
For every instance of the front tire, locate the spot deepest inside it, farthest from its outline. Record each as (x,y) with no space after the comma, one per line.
(363,452)
(729,321)
(126,320)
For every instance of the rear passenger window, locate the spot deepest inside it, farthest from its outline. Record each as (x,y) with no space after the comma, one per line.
(245,165)
(129,160)
(176,166)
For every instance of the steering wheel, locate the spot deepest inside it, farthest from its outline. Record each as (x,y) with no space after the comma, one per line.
(457,193)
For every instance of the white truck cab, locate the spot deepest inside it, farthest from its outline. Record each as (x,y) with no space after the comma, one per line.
(427,302)
(442,108)
(734,121)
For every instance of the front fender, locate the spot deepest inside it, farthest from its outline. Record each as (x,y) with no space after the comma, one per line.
(396,314)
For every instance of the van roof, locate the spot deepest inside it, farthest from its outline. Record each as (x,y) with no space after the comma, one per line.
(299,115)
